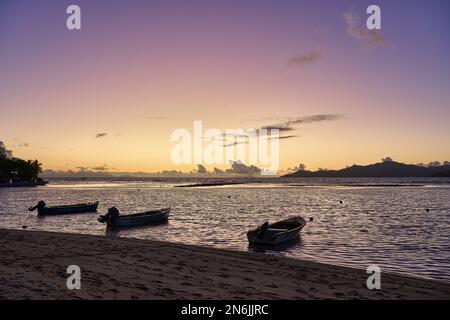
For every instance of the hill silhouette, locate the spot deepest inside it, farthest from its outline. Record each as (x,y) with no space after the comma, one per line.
(383,169)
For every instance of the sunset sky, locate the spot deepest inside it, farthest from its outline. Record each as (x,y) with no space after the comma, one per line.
(113,92)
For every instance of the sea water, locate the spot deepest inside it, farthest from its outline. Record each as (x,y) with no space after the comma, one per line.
(355,222)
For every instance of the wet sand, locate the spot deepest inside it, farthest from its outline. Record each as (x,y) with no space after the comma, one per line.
(33,266)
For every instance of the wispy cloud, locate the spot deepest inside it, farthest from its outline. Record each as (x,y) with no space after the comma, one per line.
(20,144)
(371,38)
(234,143)
(282,127)
(104,167)
(101,135)
(234,139)
(315,118)
(225,136)
(260,133)
(304,59)
(285,137)
(289,124)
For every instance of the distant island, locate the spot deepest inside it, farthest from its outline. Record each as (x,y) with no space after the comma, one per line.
(385,169)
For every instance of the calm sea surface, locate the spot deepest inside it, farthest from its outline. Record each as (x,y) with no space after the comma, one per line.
(381,222)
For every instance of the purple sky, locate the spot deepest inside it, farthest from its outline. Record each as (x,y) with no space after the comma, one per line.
(140,69)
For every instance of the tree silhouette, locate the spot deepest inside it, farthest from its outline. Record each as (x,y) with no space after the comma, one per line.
(18,169)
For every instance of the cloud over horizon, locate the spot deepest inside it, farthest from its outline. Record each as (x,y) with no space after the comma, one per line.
(304,59)
(104,167)
(289,125)
(286,137)
(371,38)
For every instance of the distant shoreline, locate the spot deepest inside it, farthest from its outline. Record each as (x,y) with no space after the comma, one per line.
(206,182)
(23,184)
(34,266)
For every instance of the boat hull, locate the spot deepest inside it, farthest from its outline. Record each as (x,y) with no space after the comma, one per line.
(286,237)
(73,209)
(274,237)
(137,220)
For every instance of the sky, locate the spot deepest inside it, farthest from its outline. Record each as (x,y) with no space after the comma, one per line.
(111,94)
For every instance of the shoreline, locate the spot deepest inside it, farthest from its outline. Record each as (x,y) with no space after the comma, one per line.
(24,184)
(34,263)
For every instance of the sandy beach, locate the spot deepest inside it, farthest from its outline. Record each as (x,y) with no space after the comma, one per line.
(33,266)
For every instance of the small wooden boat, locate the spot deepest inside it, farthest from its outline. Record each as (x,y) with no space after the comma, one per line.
(276,233)
(43,210)
(114,219)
